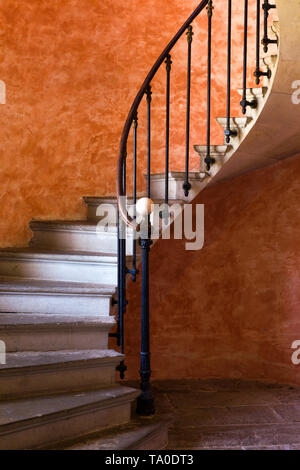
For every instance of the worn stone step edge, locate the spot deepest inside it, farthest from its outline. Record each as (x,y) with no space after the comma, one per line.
(25,414)
(74,226)
(57,287)
(30,362)
(17,321)
(135,436)
(54,255)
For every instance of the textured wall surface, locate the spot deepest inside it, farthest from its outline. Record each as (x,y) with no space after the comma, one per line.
(72,69)
(231,309)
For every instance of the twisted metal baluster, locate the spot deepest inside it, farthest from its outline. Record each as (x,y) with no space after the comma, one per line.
(187,185)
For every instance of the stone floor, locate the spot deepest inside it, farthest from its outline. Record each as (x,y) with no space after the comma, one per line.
(226,414)
(212,414)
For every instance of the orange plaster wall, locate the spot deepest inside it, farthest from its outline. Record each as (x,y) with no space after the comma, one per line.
(72,69)
(232,308)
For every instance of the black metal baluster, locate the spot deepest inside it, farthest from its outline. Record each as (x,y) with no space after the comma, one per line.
(119,292)
(168,68)
(133,271)
(208,159)
(187,185)
(259,73)
(145,402)
(122,270)
(149,99)
(244,102)
(266,41)
(228,132)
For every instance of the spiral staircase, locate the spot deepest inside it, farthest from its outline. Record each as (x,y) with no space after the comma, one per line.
(58,295)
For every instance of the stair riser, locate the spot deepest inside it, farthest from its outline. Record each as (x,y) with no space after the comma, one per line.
(105,274)
(76,305)
(93,242)
(43,433)
(35,382)
(57,339)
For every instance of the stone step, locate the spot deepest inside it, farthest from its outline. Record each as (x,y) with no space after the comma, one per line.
(97,204)
(49,297)
(93,203)
(86,236)
(29,332)
(84,267)
(176,192)
(258,94)
(218,153)
(28,374)
(43,421)
(237,124)
(268,62)
(135,436)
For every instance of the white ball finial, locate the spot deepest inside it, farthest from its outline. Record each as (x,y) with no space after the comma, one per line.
(143,206)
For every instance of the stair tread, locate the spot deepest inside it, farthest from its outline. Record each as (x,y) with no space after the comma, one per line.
(83,223)
(97,200)
(126,437)
(94,200)
(74,226)
(28,409)
(45,286)
(32,252)
(24,359)
(23,320)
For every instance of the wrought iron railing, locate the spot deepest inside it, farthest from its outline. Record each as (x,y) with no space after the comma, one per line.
(145,404)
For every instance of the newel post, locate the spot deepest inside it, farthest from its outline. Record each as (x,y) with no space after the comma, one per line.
(145,402)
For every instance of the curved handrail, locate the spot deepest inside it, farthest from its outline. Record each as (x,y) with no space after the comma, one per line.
(132,113)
